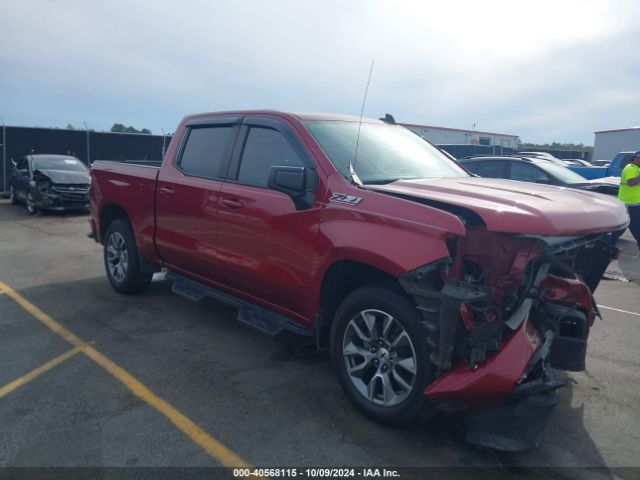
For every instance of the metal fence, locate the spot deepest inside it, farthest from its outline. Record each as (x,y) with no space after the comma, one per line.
(460,151)
(86,145)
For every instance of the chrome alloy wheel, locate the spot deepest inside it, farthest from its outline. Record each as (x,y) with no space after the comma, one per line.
(379,357)
(30,204)
(117,257)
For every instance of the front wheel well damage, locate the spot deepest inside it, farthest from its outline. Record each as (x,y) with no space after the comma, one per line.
(342,278)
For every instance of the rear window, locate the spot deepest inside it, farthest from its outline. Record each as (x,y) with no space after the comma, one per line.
(204,151)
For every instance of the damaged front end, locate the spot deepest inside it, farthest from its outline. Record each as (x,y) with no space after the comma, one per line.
(497,314)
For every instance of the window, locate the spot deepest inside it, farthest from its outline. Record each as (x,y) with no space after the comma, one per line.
(626,160)
(263,149)
(525,172)
(484,141)
(385,152)
(204,151)
(491,169)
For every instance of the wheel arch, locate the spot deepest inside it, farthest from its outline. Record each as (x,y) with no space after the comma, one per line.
(339,280)
(108,214)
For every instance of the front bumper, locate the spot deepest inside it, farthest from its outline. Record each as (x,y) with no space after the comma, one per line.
(513,426)
(56,201)
(509,396)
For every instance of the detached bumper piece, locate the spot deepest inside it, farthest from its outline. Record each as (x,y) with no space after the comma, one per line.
(512,427)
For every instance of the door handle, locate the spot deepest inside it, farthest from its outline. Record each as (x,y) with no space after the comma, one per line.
(232,203)
(167,191)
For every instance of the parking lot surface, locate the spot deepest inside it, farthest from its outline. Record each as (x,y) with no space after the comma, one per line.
(155,381)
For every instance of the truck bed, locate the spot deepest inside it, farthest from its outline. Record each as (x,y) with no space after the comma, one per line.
(132,187)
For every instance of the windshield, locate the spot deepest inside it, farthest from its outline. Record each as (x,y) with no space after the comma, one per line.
(562,173)
(68,164)
(385,152)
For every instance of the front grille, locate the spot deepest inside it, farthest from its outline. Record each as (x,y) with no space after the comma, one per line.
(72,193)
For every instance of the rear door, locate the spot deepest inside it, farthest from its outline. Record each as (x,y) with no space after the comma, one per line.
(267,247)
(187,197)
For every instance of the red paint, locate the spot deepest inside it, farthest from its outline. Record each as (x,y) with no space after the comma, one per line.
(253,243)
(495,378)
(571,292)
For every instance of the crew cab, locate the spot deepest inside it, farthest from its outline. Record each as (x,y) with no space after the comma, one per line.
(433,290)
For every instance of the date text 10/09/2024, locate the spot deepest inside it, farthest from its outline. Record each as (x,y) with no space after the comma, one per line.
(316,472)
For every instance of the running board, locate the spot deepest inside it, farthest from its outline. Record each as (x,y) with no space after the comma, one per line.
(265,321)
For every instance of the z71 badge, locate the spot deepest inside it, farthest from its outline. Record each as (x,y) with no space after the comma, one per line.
(342,198)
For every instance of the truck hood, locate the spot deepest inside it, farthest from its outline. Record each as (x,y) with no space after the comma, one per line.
(517,207)
(66,177)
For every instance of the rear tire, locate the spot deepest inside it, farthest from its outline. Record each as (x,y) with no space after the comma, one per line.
(121,260)
(379,351)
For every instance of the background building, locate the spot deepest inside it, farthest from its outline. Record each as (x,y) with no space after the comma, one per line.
(457,136)
(610,142)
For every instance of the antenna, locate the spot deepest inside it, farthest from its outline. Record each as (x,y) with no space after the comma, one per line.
(352,171)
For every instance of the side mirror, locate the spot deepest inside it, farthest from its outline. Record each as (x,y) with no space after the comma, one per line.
(289,180)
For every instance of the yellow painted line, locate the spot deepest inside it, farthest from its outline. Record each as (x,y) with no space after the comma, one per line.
(18,382)
(209,444)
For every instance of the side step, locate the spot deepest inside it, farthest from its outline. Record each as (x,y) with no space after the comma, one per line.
(263,320)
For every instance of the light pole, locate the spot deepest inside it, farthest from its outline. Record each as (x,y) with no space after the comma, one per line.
(88,145)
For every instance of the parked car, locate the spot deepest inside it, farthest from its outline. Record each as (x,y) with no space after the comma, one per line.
(50,182)
(542,155)
(432,289)
(612,169)
(536,170)
(576,162)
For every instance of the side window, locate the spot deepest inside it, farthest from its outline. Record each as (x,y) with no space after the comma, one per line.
(264,148)
(491,169)
(471,166)
(204,151)
(527,173)
(626,160)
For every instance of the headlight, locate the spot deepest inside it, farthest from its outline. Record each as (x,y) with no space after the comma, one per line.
(43,185)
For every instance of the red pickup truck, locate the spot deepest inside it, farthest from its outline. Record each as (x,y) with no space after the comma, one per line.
(433,289)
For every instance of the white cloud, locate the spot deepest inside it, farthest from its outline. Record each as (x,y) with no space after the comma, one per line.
(504,65)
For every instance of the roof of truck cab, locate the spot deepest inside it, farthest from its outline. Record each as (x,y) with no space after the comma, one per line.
(302,116)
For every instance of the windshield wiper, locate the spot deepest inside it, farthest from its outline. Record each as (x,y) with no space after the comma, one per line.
(382,181)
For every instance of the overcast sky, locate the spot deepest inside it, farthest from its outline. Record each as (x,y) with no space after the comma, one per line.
(545,70)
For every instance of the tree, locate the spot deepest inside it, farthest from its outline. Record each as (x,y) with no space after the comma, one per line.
(121,128)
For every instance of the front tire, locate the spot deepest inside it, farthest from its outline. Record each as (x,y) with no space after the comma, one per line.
(31,205)
(12,196)
(121,260)
(380,353)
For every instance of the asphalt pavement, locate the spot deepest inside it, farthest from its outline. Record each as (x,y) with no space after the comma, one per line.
(244,394)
